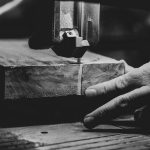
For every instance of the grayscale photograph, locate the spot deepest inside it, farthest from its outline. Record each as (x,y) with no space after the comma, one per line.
(74,75)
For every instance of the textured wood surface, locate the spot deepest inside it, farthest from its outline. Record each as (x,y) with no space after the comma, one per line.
(45,81)
(57,80)
(73,136)
(100,72)
(27,73)
(17,53)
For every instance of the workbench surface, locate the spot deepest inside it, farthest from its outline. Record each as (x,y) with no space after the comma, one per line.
(119,134)
(73,136)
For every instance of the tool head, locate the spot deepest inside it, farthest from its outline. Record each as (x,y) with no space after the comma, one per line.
(71,45)
(82,15)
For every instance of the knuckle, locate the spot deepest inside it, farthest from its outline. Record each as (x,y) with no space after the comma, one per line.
(144,77)
(136,77)
(124,101)
(120,83)
(103,90)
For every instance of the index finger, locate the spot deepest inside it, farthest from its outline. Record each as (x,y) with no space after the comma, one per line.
(118,84)
(115,107)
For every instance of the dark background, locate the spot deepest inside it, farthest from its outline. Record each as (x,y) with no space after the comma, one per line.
(124,27)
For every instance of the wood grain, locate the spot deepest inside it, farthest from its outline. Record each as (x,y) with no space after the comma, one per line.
(73,136)
(26,73)
(37,82)
(56,80)
(97,73)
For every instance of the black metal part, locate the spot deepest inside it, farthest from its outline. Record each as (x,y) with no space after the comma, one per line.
(67,47)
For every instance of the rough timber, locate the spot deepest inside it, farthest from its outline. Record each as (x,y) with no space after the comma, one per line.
(27,73)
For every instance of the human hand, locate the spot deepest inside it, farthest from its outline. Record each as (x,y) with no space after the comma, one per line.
(134,87)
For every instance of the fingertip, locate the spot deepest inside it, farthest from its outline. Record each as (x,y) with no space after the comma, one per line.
(90,92)
(89,122)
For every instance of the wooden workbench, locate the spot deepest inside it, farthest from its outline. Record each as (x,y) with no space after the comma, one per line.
(32,126)
(73,136)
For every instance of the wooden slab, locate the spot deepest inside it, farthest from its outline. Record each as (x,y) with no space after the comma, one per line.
(26,73)
(73,136)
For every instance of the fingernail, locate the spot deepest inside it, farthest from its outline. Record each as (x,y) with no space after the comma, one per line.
(90,92)
(89,122)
